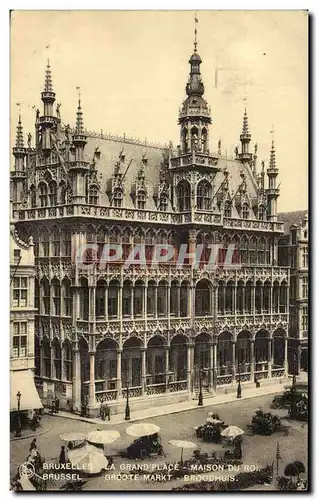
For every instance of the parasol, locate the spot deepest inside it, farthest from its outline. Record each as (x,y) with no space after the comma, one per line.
(143,429)
(88,458)
(232,432)
(73,436)
(213,421)
(102,437)
(183,445)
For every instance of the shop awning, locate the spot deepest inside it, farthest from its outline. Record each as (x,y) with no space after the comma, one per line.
(23,381)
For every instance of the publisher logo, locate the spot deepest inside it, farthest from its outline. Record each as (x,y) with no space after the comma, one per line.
(26,469)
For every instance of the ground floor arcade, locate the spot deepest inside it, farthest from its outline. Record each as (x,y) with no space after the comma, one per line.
(86,376)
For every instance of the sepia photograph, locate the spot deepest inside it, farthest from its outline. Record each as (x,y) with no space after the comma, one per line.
(159,250)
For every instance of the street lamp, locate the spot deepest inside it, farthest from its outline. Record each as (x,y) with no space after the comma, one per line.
(200,402)
(18,430)
(239,388)
(127,410)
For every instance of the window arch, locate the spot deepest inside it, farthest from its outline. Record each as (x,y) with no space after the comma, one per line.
(33,196)
(204,195)
(163,204)
(261,212)
(184,139)
(183,196)
(118,197)
(245,211)
(227,209)
(194,138)
(204,139)
(43,194)
(93,195)
(141,199)
(53,193)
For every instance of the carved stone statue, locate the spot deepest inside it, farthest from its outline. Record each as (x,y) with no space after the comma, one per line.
(37,113)
(29,140)
(236,150)
(67,132)
(263,165)
(58,109)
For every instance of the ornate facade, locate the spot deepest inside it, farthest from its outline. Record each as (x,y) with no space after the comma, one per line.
(99,330)
(293,251)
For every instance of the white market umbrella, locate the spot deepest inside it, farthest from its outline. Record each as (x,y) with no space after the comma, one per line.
(143,429)
(232,432)
(213,421)
(73,436)
(183,445)
(89,459)
(102,437)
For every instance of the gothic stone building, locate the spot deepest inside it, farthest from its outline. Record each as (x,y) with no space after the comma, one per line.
(293,252)
(153,330)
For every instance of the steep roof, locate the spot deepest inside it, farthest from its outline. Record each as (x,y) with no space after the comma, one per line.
(291,218)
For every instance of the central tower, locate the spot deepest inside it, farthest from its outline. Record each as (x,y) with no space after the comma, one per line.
(194,115)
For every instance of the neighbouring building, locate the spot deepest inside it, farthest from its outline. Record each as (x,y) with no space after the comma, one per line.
(22,313)
(153,330)
(293,252)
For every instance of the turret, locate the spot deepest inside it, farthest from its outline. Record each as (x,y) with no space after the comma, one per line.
(194,115)
(79,167)
(47,121)
(273,190)
(18,175)
(245,139)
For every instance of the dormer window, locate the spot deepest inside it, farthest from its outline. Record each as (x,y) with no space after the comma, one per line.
(183,196)
(261,213)
(227,209)
(204,195)
(141,200)
(163,203)
(245,211)
(118,198)
(93,195)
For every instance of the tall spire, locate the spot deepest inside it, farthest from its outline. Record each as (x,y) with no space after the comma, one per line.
(79,115)
(19,142)
(272,159)
(48,86)
(196,20)
(245,123)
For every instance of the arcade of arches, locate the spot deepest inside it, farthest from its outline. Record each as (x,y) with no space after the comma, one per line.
(160,368)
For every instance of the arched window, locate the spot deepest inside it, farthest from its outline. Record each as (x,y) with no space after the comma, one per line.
(62,197)
(245,211)
(252,251)
(57,359)
(227,209)
(141,199)
(194,139)
(67,298)
(204,139)
(118,198)
(163,203)
(33,196)
(184,140)
(53,194)
(93,195)
(56,245)
(67,360)
(261,251)
(244,250)
(261,212)
(43,194)
(183,196)
(204,195)
(56,297)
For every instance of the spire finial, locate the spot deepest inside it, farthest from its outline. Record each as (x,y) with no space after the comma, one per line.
(19,142)
(272,159)
(48,86)
(196,20)
(245,118)
(79,115)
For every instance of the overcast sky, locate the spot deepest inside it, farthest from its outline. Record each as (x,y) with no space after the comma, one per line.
(132,68)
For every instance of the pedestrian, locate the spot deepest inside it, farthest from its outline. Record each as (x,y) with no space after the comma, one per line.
(62,459)
(106,412)
(101,411)
(57,405)
(33,444)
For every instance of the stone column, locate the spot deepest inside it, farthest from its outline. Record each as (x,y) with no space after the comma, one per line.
(253,300)
(234,299)
(62,363)
(92,380)
(243,300)
(76,381)
(156,302)
(120,303)
(132,293)
(269,357)
(167,315)
(252,358)
(210,366)
(106,303)
(118,375)
(167,368)
(286,358)
(178,301)
(143,371)
(189,368)
(298,359)
(233,361)
(215,362)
